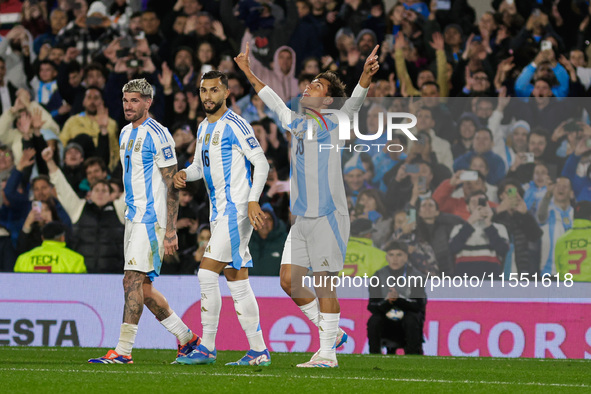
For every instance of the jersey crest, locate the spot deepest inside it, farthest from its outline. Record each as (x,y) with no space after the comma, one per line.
(138,145)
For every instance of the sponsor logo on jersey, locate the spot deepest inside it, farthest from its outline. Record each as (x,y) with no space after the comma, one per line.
(122,146)
(138,145)
(167,152)
(208,249)
(324,263)
(132,262)
(216,139)
(252,142)
(207,139)
(130,145)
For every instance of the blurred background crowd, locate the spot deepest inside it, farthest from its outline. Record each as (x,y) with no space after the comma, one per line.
(500,170)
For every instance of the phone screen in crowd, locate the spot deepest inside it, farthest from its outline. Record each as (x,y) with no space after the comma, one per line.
(469,176)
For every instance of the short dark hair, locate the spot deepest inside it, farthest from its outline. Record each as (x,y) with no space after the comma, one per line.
(95,67)
(41,177)
(487,130)
(305,77)
(476,193)
(214,74)
(53,230)
(396,245)
(429,83)
(47,61)
(91,161)
(105,182)
(538,131)
(336,87)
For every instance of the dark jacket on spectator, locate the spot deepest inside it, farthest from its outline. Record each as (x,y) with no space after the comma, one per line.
(99,238)
(437,235)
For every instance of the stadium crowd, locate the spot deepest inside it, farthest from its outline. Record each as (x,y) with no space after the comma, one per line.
(499,172)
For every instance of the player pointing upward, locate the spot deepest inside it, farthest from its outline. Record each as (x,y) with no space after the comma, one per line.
(319,236)
(226,148)
(149,163)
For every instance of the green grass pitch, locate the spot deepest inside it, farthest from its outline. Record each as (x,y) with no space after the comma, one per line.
(64,370)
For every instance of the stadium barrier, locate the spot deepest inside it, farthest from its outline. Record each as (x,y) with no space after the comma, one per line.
(85,310)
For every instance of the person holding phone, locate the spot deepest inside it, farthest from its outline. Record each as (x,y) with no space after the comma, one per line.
(521,225)
(470,182)
(479,246)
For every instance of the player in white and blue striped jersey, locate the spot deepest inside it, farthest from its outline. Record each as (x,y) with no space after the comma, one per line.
(225,149)
(318,238)
(149,164)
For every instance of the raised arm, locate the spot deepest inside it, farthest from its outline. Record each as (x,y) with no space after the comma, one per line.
(370,67)
(171,243)
(269,97)
(73,204)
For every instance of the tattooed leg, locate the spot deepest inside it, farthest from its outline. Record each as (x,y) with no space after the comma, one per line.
(134,296)
(155,301)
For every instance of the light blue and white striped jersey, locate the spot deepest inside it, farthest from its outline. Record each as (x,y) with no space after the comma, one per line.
(317,186)
(143,151)
(223,151)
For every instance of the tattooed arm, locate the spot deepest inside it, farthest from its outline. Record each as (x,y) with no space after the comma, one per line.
(171,243)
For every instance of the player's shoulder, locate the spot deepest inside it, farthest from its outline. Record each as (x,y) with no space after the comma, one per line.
(237,123)
(157,131)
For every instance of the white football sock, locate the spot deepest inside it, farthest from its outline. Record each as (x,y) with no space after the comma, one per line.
(126,339)
(311,311)
(211,305)
(328,328)
(178,328)
(247,310)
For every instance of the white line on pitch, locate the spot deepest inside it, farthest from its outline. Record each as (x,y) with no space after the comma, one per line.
(304,377)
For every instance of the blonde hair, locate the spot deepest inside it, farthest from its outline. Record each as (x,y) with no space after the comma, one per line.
(140,86)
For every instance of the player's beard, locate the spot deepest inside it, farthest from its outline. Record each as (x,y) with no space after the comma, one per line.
(135,116)
(215,108)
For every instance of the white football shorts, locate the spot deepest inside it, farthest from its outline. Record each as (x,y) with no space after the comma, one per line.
(144,247)
(230,236)
(318,243)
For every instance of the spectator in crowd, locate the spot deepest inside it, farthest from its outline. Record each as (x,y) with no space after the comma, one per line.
(7,253)
(522,169)
(581,184)
(479,164)
(44,84)
(14,49)
(572,254)
(413,182)
(94,121)
(353,174)
(392,153)
(440,147)
(482,145)
(52,256)
(370,206)
(555,215)
(266,245)
(536,189)
(58,19)
(479,245)
(41,213)
(458,205)
(7,89)
(281,78)
(522,227)
(203,237)
(73,169)
(97,223)
(434,227)
(362,257)
(467,125)
(397,313)
(95,169)
(182,262)
(21,115)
